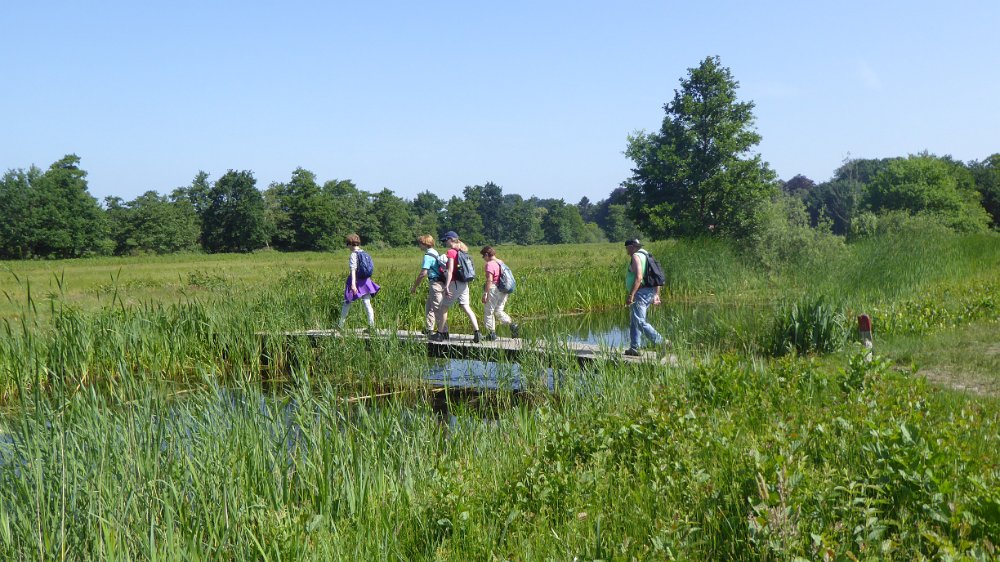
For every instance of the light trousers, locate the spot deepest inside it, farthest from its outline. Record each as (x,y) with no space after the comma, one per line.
(493,309)
(365,300)
(435,296)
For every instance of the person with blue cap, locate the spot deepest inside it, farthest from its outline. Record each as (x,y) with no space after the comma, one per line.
(455,288)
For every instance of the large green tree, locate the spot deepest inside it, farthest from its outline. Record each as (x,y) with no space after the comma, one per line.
(392,214)
(617,226)
(305,215)
(427,209)
(698,174)
(522,220)
(562,223)
(488,201)
(352,211)
(235,219)
(152,223)
(197,195)
(929,185)
(463,217)
(63,219)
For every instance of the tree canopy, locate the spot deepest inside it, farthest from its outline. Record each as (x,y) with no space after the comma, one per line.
(698,175)
(235,218)
(50,214)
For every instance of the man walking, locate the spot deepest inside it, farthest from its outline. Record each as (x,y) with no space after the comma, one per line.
(639,298)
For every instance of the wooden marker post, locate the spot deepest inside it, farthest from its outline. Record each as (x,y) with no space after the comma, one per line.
(865,331)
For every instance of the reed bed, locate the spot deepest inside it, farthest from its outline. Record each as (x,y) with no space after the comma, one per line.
(142,425)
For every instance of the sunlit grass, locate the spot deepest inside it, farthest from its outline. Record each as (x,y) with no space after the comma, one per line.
(141,424)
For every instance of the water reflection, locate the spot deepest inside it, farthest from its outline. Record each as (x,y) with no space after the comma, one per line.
(488,375)
(686,324)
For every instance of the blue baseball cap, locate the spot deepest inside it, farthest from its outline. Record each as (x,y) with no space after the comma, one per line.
(449,235)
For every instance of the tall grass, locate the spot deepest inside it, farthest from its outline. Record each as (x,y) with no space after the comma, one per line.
(732,459)
(141,424)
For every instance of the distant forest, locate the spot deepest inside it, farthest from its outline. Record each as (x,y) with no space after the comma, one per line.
(51,214)
(697,175)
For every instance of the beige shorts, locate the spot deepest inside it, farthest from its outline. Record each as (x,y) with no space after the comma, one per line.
(459,292)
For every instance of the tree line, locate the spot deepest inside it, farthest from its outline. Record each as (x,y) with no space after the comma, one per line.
(51,214)
(698,175)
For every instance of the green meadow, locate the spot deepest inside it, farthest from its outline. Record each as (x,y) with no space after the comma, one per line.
(140,424)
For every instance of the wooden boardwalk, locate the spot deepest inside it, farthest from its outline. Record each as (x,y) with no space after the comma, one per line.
(461,346)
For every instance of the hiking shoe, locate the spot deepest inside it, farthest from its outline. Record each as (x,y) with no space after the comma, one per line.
(492,336)
(439,336)
(633,352)
(475,336)
(515,330)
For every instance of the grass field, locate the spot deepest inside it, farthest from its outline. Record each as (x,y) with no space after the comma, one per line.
(139,424)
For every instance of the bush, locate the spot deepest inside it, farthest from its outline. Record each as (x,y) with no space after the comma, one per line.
(784,237)
(900,224)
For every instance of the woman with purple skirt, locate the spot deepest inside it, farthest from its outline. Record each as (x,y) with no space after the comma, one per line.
(359,283)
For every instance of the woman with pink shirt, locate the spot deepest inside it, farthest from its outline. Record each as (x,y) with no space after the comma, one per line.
(494,299)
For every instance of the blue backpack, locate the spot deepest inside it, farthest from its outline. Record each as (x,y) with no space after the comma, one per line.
(365,265)
(464,268)
(506,282)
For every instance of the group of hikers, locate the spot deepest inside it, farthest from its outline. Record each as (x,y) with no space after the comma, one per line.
(448,276)
(450,273)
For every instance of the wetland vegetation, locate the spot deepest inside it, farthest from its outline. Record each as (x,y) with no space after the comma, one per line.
(139,423)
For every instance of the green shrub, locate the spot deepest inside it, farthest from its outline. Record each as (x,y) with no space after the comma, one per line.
(784,237)
(808,326)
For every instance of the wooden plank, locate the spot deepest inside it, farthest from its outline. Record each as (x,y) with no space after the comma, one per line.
(462,346)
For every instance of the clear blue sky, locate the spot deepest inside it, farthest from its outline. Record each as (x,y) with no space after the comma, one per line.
(538,97)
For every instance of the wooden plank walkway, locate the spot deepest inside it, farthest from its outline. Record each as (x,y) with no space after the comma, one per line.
(461,346)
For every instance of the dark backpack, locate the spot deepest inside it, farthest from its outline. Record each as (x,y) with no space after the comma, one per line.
(464,269)
(365,265)
(653,276)
(506,282)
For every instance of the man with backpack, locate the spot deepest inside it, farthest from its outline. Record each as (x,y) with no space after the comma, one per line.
(643,280)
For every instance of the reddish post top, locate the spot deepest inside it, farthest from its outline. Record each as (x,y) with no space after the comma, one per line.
(864,323)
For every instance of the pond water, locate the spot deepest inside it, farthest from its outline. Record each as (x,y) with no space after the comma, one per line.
(608,329)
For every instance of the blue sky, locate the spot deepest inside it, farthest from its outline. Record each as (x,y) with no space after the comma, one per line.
(537,97)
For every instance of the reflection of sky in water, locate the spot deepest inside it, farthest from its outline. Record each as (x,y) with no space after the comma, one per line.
(483,374)
(609,328)
(612,337)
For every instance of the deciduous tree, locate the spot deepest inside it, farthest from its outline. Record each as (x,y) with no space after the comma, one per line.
(392,214)
(462,217)
(64,220)
(926,184)
(235,220)
(698,174)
